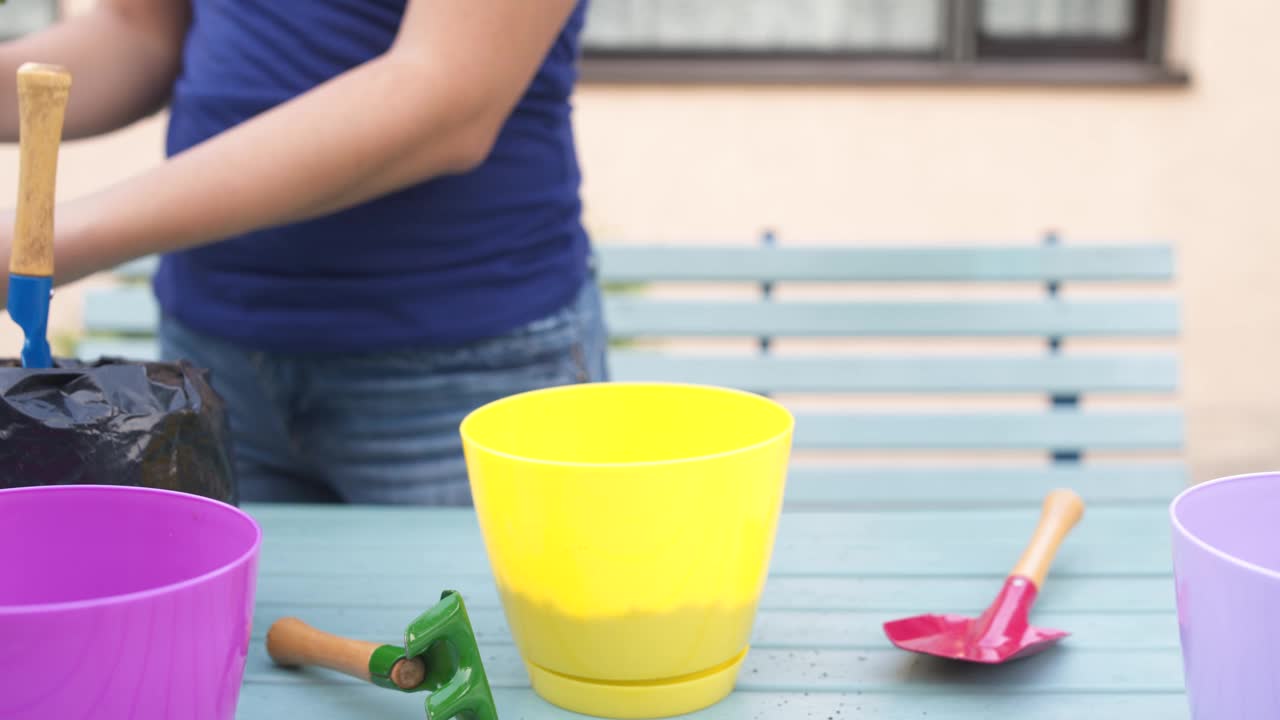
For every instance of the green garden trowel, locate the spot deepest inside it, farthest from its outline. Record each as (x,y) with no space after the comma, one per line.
(440,656)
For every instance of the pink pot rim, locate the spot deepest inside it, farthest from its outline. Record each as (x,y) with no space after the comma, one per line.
(109,600)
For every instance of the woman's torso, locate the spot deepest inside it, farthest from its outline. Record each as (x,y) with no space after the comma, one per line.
(450,260)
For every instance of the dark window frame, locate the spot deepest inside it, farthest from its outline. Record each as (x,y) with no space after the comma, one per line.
(966,57)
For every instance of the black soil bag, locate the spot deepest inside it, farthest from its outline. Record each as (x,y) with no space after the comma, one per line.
(115,422)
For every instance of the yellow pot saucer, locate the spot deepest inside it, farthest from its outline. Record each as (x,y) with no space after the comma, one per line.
(637,700)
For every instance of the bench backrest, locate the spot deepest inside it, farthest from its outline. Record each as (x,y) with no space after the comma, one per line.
(905,384)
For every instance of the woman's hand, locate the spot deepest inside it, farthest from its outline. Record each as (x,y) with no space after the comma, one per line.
(73,253)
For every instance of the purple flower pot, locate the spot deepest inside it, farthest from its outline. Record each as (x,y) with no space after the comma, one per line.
(123,602)
(1226,559)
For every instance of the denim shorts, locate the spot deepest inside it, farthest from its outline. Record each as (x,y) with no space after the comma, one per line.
(381,427)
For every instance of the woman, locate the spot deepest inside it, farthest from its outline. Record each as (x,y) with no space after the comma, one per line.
(369,219)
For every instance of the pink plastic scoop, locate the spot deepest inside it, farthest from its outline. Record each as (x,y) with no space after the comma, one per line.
(1003,632)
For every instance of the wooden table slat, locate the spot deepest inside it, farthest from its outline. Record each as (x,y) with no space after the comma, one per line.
(818,649)
(880,670)
(775,629)
(346,702)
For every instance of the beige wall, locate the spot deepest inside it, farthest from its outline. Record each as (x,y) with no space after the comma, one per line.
(1192,165)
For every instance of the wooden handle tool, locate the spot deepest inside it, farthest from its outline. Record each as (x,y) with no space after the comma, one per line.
(42,103)
(293,643)
(1061,511)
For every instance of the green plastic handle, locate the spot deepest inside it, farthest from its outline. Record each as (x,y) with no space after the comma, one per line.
(455,677)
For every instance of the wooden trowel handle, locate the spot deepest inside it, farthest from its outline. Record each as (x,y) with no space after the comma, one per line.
(1062,510)
(42,103)
(291,642)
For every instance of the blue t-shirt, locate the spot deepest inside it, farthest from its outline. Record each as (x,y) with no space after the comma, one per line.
(452,260)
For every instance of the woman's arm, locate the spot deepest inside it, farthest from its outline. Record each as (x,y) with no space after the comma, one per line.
(123,55)
(432,105)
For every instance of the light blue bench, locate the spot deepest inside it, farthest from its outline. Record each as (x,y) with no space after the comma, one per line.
(982,456)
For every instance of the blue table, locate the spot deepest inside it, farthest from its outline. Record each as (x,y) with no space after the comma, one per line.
(818,651)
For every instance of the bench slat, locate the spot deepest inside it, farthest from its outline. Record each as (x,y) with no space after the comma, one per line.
(94,348)
(133,310)
(828,486)
(906,374)
(126,309)
(648,263)
(633,316)
(1050,374)
(644,263)
(1063,430)
(137,270)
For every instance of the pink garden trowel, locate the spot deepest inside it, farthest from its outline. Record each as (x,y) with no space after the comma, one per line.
(1001,633)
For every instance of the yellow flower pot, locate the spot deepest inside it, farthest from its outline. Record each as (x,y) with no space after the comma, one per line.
(629,527)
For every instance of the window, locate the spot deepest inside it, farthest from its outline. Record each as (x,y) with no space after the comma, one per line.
(20,17)
(645,27)
(802,40)
(1066,29)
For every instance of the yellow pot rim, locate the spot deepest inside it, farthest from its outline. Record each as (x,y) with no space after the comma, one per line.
(469,420)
